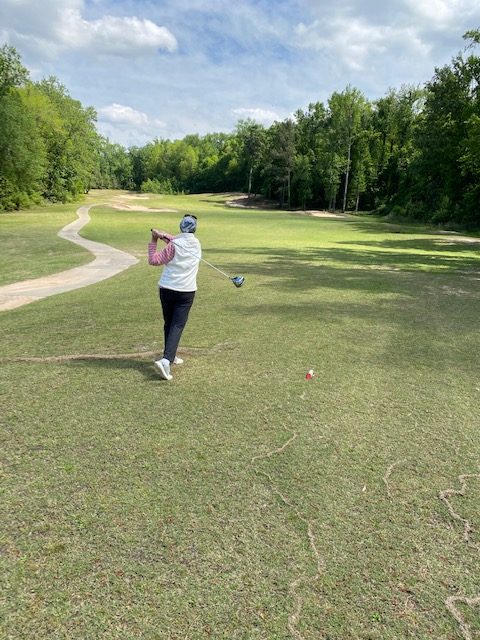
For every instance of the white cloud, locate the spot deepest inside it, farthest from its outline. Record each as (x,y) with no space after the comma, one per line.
(263,116)
(443,13)
(123,115)
(120,113)
(113,35)
(354,41)
(58,25)
(128,126)
(238,60)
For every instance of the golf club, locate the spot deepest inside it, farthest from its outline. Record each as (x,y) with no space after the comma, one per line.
(237,280)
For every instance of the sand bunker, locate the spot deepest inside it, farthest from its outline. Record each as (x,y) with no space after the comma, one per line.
(323,214)
(139,207)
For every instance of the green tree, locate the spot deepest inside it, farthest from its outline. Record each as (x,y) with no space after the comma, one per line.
(137,156)
(279,159)
(310,142)
(12,71)
(22,153)
(251,141)
(114,166)
(346,111)
(363,170)
(71,148)
(395,120)
(445,179)
(302,178)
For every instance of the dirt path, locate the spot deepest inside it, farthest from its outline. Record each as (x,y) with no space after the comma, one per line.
(107,263)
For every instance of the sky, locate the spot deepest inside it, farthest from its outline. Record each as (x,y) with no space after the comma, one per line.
(168,68)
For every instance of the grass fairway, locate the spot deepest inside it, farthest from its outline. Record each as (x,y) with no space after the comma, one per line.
(241,501)
(30,247)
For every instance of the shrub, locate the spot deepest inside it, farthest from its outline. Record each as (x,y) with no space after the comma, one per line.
(153,185)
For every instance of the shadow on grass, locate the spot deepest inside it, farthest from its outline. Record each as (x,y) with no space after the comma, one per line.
(374,224)
(431,245)
(113,362)
(145,367)
(353,269)
(237,202)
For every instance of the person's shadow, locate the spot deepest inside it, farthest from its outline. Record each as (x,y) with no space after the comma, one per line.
(143,366)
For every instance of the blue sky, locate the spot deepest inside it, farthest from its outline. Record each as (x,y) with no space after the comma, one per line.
(169,68)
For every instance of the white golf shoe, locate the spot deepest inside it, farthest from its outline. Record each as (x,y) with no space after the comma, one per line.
(178,360)
(163,368)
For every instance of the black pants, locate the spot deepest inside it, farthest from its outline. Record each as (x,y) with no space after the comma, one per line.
(176,306)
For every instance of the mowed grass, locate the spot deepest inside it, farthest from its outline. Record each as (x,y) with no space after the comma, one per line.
(240,500)
(30,247)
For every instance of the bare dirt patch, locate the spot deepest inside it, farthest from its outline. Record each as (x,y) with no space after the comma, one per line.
(131,196)
(243,201)
(140,207)
(253,202)
(323,214)
(121,202)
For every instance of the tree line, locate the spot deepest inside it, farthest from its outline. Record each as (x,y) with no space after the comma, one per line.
(48,141)
(412,154)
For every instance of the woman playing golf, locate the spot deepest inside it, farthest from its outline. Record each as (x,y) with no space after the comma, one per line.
(177,285)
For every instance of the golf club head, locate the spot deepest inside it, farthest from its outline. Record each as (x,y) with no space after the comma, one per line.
(238,280)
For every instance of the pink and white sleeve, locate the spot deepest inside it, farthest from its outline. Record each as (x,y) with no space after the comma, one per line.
(158,258)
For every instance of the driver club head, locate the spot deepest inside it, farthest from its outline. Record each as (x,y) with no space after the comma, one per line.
(238,280)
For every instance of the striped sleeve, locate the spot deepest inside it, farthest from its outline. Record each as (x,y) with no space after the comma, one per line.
(157,258)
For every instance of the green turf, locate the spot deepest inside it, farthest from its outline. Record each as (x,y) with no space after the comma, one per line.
(240,500)
(30,247)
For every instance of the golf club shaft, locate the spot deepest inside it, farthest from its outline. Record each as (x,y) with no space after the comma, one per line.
(206,262)
(216,268)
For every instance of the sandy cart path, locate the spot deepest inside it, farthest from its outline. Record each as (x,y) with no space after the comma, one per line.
(108,262)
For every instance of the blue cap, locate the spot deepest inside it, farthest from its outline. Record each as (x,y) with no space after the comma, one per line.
(188,224)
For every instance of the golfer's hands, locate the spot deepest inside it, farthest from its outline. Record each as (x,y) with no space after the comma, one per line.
(156,235)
